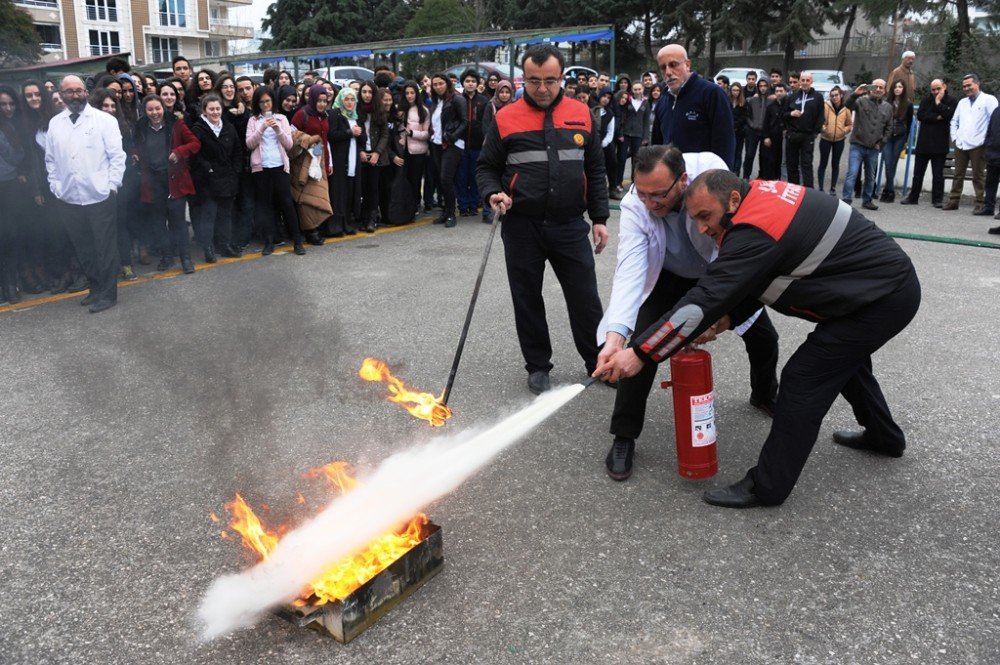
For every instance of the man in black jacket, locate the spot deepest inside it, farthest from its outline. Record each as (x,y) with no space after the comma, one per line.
(465,180)
(806,255)
(773,136)
(542,166)
(933,142)
(803,123)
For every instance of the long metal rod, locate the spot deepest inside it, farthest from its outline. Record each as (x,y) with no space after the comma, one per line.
(497,219)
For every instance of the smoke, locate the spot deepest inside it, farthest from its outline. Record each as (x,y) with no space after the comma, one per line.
(399,488)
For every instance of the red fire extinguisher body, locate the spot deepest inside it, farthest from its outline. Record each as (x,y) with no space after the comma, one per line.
(694,413)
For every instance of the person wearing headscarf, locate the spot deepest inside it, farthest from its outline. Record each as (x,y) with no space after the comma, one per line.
(310,128)
(346,139)
(287,101)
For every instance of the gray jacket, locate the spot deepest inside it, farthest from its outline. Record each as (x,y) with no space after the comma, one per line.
(872,120)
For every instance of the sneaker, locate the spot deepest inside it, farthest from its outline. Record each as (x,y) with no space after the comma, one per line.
(619,459)
(983,211)
(538,382)
(950,205)
(128,274)
(450,223)
(868,205)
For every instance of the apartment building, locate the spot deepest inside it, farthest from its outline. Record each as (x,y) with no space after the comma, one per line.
(153,31)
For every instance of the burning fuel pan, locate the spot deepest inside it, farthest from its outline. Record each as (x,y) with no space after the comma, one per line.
(346,619)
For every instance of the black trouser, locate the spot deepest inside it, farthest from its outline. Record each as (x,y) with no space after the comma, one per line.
(528,244)
(57,251)
(760,340)
(836,358)
(127,200)
(273,190)
(937,176)
(166,217)
(448,160)
(212,217)
(386,177)
(93,230)
(243,210)
(992,181)
(11,221)
(416,169)
(753,141)
(799,156)
(432,177)
(828,149)
(770,160)
(611,165)
(345,197)
(738,154)
(369,176)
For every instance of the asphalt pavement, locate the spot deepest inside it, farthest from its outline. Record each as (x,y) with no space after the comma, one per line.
(121,432)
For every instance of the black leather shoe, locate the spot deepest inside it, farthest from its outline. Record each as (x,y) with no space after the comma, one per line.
(765,406)
(101,305)
(314,239)
(538,382)
(79,284)
(858,441)
(995,230)
(619,459)
(268,248)
(738,495)
(59,285)
(450,223)
(186,265)
(908,202)
(300,249)
(231,252)
(88,299)
(210,254)
(166,263)
(441,220)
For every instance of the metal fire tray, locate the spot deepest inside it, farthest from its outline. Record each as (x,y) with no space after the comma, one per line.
(346,619)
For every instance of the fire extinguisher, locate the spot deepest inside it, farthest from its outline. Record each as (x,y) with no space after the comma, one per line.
(694,412)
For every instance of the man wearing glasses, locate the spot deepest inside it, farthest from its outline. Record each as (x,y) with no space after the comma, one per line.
(86,163)
(661,256)
(542,167)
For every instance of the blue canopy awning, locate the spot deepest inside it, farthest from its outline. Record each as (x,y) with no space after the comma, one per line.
(423,48)
(591,36)
(357,53)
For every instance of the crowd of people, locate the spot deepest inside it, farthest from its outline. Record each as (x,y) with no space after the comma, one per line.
(301,161)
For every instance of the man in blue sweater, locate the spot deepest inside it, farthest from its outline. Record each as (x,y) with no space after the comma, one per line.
(695,114)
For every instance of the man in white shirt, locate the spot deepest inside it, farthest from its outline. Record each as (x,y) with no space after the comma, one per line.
(968,132)
(661,256)
(85,163)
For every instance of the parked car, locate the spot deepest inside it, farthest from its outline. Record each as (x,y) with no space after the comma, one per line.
(825,79)
(342,75)
(573,71)
(487,68)
(740,74)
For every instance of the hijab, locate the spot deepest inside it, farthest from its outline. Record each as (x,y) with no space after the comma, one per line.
(338,104)
(312,99)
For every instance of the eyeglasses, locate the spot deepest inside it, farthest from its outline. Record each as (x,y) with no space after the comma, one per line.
(657,198)
(538,83)
(75,92)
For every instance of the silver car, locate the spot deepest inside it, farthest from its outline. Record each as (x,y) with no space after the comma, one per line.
(825,79)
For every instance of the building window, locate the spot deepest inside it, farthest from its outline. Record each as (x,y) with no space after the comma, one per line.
(102,10)
(49,38)
(164,49)
(213,49)
(172,13)
(104,43)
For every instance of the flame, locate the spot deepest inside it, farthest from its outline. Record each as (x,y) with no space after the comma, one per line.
(422,405)
(346,575)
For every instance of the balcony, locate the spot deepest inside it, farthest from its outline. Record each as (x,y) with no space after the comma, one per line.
(101,14)
(41,11)
(51,48)
(104,50)
(46,4)
(233,3)
(223,27)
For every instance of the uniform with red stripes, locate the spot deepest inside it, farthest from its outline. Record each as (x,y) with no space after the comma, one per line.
(808,255)
(550,162)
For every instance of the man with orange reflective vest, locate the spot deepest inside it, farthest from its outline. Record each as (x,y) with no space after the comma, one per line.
(807,255)
(542,166)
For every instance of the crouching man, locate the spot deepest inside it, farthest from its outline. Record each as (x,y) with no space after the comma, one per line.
(807,255)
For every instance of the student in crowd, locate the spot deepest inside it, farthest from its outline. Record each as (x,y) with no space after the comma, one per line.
(756,109)
(448,126)
(172,103)
(137,236)
(310,129)
(740,114)
(899,133)
(128,104)
(374,148)
(393,159)
(836,126)
(417,132)
(288,101)
(14,174)
(467,193)
(635,127)
(163,146)
(151,84)
(346,139)
(215,170)
(774,133)
(502,96)
(243,208)
(182,70)
(225,88)
(57,101)
(621,101)
(285,78)
(608,129)
(269,138)
(203,84)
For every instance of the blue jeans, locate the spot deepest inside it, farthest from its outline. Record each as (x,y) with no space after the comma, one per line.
(890,159)
(859,156)
(467,192)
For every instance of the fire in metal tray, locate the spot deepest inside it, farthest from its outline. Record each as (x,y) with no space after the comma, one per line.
(340,582)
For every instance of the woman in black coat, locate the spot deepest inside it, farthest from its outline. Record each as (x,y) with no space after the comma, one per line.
(374,152)
(448,124)
(740,116)
(215,170)
(347,136)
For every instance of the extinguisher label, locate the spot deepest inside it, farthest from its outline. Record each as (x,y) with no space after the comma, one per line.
(703,420)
